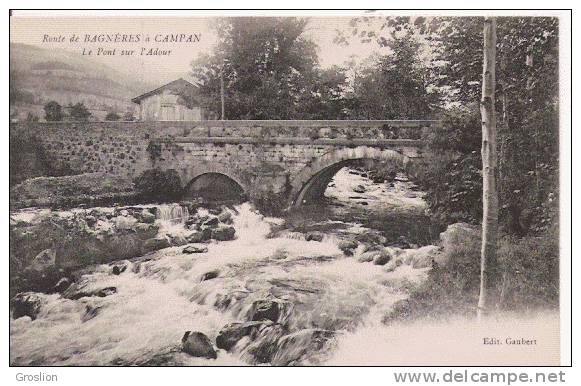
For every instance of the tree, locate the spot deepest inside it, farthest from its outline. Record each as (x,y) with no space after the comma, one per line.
(112,116)
(488,263)
(526,101)
(394,85)
(269,69)
(53,111)
(79,112)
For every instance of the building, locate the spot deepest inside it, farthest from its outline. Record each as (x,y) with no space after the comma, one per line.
(175,101)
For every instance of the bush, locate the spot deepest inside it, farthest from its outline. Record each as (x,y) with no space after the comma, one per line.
(53,111)
(112,116)
(454,189)
(79,112)
(528,278)
(159,185)
(270,204)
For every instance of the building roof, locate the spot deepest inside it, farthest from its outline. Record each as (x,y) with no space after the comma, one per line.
(179,86)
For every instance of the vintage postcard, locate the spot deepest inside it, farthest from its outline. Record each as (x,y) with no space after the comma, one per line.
(287,188)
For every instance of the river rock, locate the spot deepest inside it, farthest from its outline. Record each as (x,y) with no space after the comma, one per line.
(198,236)
(348,246)
(401,242)
(176,240)
(383,257)
(146,231)
(195,249)
(211,222)
(198,344)
(225,217)
(26,304)
(231,333)
(90,220)
(223,233)
(359,189)
(295,347)
(314,236)
(458,234)
(422,257)
(367,257)
(43,260)
(147,217)
(125,222)
(210,275)
(393,265)
(155,244)
(118,269)
(267,309)
(75,292)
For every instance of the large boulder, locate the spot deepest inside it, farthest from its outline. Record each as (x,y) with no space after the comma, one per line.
(274,310)
(223,233)
(231,333)
(26,304)
(457,234)
(359,189)
(198,344)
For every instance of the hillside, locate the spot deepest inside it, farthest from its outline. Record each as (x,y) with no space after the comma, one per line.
(39,75)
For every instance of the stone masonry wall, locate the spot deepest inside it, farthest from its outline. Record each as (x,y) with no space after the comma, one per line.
(262,156)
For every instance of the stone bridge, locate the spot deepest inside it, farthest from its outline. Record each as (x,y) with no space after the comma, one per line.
(290,161)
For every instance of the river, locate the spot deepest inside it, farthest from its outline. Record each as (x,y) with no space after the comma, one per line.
(333,304)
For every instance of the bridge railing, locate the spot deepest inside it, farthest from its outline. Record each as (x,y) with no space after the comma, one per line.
(257,129)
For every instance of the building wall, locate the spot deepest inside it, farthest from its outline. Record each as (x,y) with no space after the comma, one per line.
(166,107)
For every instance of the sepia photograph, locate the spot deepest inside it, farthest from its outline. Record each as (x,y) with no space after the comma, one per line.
(365,188)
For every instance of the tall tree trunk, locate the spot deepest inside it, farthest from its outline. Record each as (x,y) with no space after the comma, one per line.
(488,263)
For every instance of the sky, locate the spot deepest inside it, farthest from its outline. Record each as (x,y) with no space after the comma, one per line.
(33,29)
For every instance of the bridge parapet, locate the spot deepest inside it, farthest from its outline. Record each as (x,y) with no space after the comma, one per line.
(259,129)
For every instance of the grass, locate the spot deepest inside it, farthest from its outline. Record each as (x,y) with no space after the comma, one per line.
(528,278)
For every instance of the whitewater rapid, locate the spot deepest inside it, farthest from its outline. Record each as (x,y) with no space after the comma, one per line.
(162,294)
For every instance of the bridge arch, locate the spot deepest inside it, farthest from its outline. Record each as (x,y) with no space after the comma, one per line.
(215,182)
(312,181)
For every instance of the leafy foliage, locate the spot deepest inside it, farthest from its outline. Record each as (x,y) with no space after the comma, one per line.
(270,71)
(159,185)
(112,116)
(53,111)
(78,112)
